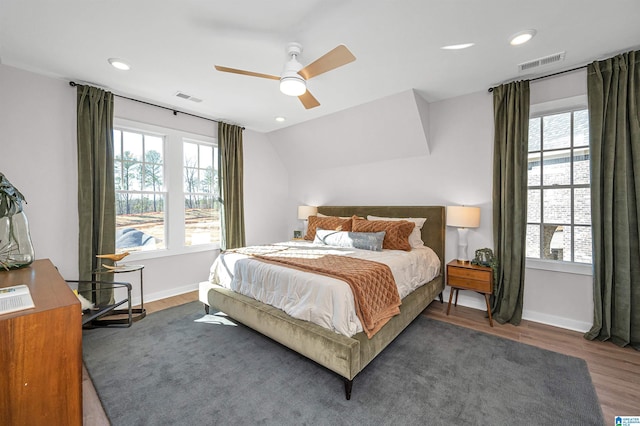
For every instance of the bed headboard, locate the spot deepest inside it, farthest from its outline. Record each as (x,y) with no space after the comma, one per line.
(433,230)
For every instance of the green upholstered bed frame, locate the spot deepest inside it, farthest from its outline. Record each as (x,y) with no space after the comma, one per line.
(346,356)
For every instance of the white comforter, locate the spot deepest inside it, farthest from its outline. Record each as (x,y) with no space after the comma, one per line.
(322,300)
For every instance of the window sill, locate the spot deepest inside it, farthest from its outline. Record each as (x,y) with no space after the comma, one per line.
(565,267)
(156,254)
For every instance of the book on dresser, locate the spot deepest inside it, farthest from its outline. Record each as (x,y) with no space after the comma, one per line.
(15,298)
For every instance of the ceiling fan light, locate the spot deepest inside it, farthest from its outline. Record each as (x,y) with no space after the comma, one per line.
(293,86)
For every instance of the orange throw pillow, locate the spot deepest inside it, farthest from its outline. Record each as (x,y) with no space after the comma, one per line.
(332,223)
(396,232)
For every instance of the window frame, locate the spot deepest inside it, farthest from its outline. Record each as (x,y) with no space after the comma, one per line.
(544,109)
(174,188)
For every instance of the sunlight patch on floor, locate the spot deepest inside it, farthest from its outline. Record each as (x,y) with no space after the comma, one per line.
(218,319)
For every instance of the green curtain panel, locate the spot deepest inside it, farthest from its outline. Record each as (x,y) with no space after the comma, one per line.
(614,127)
(230,164)
(96,191)
(511,117)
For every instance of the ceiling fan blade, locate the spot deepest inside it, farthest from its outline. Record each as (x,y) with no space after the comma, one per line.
(308,100)
(333,59)
(249,73)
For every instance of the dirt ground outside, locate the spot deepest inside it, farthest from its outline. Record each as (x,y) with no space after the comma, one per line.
(202,226)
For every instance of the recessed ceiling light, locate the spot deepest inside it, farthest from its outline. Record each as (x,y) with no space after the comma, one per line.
(522,37)
(457,46)
(280,119)
(119,64)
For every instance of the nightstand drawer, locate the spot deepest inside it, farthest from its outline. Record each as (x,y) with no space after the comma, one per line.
(483,286)
(469,274)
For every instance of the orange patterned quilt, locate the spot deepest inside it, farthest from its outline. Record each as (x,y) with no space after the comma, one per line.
(374,289)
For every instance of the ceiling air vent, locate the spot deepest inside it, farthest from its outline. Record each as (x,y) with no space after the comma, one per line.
(526,66)
(188,97)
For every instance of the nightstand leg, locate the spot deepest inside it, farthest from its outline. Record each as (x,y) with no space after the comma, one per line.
(457,291)
(450,296)
(486,298)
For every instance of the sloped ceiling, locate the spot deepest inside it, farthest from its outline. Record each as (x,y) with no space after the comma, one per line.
(385,129)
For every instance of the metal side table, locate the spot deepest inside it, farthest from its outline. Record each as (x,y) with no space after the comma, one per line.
(136,313)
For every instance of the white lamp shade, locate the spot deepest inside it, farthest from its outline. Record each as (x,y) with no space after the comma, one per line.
(463,217)
(305,211)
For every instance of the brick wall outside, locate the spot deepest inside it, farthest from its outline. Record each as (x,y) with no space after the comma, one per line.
(557,201)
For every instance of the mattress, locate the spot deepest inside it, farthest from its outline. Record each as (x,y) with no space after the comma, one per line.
(323,300)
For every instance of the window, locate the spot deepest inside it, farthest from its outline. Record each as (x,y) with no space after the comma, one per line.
(201,205)
(559,195)
(166,190)
(140,195)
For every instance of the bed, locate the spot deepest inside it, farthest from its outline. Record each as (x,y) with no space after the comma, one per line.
(344,355)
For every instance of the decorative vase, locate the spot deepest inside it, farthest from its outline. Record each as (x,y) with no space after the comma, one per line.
(16,249)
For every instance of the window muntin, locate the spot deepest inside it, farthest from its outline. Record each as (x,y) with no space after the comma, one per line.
(559,215)
(140,192)
(201,205)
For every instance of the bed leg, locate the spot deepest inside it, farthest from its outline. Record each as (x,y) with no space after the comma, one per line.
(206,309)
(440,297)
(348,384)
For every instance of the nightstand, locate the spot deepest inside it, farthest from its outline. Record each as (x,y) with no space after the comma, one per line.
(465,276)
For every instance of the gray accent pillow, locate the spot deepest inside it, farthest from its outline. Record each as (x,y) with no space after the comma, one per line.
(360,240)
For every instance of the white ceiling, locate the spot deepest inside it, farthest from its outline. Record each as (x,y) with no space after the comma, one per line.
(172,45)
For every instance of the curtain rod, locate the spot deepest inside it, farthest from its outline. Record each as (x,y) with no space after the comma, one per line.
(551,75)
(175,111)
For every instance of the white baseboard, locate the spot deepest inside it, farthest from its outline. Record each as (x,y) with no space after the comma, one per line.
(151,297)
(539,317)
(556,321)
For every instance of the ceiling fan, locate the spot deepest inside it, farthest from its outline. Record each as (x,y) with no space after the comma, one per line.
(293,80)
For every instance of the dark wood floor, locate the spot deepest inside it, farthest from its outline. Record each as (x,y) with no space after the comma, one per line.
(615,371)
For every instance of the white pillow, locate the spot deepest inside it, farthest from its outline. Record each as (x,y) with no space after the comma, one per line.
(415,238)
(361,240)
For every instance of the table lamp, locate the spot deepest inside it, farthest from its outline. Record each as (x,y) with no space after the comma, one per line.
(463,218)
(303,214)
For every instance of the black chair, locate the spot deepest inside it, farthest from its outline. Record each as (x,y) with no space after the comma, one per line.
(108,314)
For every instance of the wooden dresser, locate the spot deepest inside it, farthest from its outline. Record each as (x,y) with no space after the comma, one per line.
(41,351)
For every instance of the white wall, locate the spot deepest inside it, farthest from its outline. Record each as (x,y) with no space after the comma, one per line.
(455,172)
(38,155)
(266,191)
(458,170)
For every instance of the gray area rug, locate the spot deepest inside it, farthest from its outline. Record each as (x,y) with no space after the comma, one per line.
(169,369)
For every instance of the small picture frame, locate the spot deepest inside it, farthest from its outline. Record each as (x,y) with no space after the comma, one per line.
(297,234)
